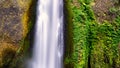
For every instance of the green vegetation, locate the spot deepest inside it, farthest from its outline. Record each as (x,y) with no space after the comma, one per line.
(96,45)
(25,43)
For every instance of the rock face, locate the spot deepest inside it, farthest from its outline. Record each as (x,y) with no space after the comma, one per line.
(12,22)
(14,27)
(102,10)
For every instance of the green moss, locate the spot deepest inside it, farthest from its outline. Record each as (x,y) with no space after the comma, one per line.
(95,44)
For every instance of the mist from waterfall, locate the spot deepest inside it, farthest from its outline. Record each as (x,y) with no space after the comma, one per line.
(48,42)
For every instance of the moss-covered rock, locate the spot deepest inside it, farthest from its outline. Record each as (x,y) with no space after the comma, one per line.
(16,19)
(7,52)
(96,37)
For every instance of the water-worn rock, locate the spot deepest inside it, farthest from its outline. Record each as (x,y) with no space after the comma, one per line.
(14,27)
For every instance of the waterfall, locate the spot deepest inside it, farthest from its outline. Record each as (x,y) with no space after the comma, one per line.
(48,42)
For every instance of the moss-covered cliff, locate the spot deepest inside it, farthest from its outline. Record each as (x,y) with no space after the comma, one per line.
(16,19)
(96,34)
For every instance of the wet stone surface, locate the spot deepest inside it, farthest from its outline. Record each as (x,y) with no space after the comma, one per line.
(14,21)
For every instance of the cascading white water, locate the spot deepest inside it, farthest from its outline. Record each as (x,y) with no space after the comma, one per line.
(48,45)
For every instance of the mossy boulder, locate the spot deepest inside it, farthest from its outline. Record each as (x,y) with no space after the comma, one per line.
(16,18)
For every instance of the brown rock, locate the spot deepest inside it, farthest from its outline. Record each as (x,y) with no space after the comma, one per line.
(102,10)
(14,27)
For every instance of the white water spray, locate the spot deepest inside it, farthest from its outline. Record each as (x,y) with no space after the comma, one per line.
(48,45)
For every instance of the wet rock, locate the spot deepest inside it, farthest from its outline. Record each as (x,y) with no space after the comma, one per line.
(14,27)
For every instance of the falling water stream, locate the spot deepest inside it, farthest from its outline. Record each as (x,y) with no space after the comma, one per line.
(48,45)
